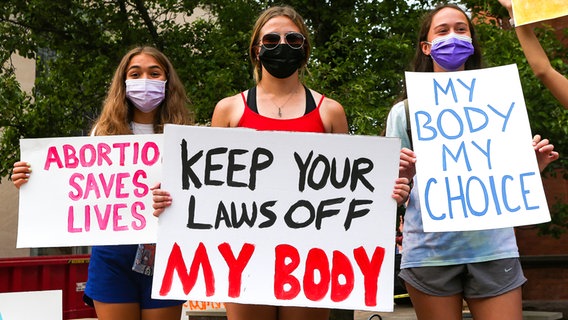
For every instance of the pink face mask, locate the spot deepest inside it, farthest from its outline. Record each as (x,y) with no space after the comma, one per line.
(145,94)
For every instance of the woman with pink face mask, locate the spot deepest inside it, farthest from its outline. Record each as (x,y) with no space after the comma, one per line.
(441,269)
(145,93)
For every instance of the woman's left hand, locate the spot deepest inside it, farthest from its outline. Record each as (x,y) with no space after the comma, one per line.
(161,198)
(401,190)
(545,153)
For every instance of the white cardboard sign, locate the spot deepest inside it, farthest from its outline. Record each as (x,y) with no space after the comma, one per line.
(476,167)
(28,305)
(89,191)
(277,218)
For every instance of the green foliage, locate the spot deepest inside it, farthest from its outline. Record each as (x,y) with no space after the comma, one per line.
(362,64)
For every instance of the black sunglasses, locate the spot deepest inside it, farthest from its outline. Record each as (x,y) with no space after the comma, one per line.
(294,39)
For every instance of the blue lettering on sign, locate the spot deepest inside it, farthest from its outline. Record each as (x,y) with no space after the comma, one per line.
(464,197)
(525,192)
(453,115)
(486,152)
(504,116)
(470,122)
(472,196)
(461,149)
(450,87)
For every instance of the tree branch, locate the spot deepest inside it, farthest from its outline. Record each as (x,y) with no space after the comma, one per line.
(149,23)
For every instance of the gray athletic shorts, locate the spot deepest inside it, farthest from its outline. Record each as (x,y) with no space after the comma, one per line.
(474,280)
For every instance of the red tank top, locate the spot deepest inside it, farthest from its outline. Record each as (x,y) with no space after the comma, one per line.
(310,122)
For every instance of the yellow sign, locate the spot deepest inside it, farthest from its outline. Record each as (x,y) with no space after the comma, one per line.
(529,11)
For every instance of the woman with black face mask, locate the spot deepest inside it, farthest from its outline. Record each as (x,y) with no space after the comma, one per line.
(279,51)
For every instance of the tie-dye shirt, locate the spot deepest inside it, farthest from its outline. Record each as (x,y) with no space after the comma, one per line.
(426,249)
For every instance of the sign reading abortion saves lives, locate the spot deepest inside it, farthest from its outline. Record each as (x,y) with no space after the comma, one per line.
(476,166)
(277,218)
(89,191)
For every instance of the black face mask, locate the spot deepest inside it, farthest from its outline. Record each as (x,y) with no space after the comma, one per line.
(282,61)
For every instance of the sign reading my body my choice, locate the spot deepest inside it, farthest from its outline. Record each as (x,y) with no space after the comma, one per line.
(476,167)
(89,190)
(277,218)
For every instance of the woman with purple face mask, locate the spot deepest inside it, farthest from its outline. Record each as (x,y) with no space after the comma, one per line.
(441,269)
(145,93)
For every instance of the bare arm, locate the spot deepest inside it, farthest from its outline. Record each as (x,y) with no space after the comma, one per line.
(540,65)
(538,60)
(228,112)
(333,117)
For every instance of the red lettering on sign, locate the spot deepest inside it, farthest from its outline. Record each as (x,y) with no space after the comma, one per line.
(236,266)
(316,262)
(343,269)
(371,270)
(188,279)
(282,272)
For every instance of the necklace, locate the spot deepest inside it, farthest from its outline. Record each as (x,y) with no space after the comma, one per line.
(290,95)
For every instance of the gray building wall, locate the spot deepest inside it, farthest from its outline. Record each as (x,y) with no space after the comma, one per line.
(25,74)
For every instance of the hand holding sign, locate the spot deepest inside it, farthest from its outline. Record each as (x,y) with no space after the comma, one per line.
(85,187)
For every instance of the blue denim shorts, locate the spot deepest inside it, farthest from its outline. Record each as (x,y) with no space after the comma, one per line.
(112,280)
(474,280)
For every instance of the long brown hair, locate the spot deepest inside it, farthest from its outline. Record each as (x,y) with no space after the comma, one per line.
(117,112)
(264,17)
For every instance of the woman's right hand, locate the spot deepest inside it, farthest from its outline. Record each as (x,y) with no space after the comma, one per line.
(407,167)
(21,173)
(161,198)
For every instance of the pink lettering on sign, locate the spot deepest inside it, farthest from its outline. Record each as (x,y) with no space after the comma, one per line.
(89,155)
(112,186)
(110,215)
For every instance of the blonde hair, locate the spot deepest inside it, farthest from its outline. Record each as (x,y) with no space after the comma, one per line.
(117,111)
(264,17)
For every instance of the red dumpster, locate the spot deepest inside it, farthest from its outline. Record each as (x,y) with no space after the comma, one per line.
(67,273)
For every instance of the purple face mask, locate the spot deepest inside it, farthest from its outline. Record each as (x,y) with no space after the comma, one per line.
(145,94)
(451,52)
